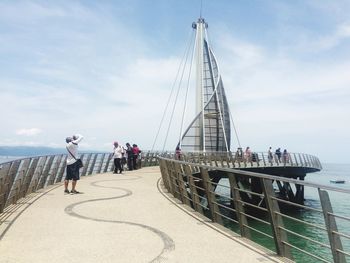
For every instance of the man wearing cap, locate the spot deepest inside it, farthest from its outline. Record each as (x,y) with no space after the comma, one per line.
(118,153)
(72,165)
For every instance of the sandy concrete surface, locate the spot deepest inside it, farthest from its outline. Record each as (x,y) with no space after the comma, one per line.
(117,218)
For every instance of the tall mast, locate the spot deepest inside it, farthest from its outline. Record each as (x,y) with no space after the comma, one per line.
(210,129)
(199,55)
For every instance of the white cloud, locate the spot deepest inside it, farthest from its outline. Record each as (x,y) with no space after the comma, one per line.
(29,132)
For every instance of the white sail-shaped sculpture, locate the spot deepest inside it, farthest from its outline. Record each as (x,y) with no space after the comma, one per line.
(210,129)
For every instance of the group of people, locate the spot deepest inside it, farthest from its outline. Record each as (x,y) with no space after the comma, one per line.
(280,156)
(249,156)
(122,156)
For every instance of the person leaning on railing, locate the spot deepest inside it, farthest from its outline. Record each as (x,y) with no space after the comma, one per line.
(248,154)
(285,156)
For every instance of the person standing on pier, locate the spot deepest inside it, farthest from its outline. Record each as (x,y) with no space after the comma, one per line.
(136,153)
(118,153)
(270,155)
(178,153)
(72,172)
(129,157)
(285,156)
(248,154)
(278,154)
(239,155)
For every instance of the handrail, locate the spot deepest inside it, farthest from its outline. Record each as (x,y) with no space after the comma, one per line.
(188,180)
(256,159)
(21,177)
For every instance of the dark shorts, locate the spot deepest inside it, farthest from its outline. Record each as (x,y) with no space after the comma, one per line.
(72,172)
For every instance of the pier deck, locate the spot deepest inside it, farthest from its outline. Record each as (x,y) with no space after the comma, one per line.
(117,218)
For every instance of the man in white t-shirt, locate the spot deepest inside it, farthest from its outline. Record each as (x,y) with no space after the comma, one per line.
(118,153)
(72,172)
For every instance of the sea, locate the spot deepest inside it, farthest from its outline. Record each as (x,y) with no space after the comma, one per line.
(5,159)
(340,204)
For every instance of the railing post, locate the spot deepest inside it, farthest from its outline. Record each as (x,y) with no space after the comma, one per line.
(222,160)
(4,172)
(263,158)
(242,219)
(295,159)
(212,202)
(86,165)
(62,167)
(18,185)
(38,169)
(164,173)
(280,237)
(29,175)
(10,179)
(305,161)
(215,160)
(101,163)
(107,163)
(174,180)
(45,173)
(54,170)
(332,228)
(182,187)
(195,197)
(93,164)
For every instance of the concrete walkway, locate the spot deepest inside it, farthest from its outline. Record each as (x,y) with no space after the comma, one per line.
(117,218)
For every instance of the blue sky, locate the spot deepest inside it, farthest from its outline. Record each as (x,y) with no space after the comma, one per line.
(105,69)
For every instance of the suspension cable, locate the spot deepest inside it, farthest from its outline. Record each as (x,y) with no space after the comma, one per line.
(177,94)
(234,127)
(171,93)
(185,105)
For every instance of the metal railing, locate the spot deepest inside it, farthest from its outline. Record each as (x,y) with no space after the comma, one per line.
(249,204)
(21,177)
(256,159)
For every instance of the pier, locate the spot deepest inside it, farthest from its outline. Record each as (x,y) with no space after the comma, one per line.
(118,218)
(167,211)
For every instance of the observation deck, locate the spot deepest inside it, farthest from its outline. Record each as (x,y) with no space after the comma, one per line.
(118,218)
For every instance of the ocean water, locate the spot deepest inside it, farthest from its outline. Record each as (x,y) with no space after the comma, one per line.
(5,159)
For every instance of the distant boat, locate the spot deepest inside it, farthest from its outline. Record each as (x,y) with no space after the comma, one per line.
(337,181)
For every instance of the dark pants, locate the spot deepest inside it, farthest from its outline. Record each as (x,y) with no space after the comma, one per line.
(134,161)
(72,172)
(117,165)
(130,163)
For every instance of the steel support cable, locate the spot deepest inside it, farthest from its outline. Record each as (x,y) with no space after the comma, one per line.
(234,128)
(177,93)
(171,93)
(185,105)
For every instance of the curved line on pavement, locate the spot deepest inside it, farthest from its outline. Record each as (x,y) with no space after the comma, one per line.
(169,244)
